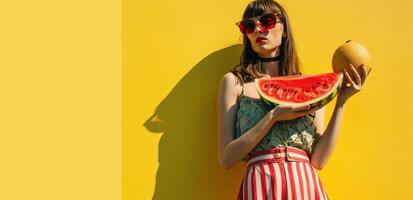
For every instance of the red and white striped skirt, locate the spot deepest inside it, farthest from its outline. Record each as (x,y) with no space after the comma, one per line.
(281,173)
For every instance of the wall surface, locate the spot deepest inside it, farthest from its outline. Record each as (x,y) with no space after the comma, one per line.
(117,99)
(174,54)
(60,105)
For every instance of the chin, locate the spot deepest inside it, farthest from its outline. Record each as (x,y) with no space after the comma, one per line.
(264,50)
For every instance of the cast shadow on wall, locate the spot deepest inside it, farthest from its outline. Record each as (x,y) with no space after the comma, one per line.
(186,118)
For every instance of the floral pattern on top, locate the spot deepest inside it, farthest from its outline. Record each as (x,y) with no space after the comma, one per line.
(299,133)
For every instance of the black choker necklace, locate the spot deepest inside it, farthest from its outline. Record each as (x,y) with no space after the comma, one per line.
(277,58)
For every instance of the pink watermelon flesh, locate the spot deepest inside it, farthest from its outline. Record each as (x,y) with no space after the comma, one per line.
(315,90)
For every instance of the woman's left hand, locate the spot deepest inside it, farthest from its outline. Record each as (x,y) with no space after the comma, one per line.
(346,92)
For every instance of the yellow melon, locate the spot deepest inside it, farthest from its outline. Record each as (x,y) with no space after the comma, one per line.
(351,52)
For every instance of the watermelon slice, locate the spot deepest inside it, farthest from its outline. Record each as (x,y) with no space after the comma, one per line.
(315,90)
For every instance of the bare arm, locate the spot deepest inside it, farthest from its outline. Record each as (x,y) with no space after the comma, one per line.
(231,150)
(323,149)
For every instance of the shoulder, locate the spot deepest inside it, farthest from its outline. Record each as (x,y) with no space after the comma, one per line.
(230,81)
(229,77)
(230,86)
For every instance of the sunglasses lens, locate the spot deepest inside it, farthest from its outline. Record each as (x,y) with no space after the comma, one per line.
(247,26)
(268,21)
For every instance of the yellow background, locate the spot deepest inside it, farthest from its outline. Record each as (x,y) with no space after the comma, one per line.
(99,90)
(60,108)
(174,53)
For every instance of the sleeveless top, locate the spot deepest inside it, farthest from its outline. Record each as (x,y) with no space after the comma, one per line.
(299,132)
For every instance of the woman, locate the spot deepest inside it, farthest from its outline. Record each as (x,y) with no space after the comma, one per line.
(283,145)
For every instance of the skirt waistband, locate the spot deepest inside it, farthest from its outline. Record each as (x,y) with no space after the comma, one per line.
(279,154)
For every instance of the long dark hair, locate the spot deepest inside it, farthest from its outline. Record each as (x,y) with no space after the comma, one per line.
(250,66)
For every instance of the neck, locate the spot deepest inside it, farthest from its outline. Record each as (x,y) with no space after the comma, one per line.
(270,68)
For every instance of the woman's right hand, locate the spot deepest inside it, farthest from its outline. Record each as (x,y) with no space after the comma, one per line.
(288,112)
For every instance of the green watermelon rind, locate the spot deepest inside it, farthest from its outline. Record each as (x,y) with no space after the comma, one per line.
(319,102)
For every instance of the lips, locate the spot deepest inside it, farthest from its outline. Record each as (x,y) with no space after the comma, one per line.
(260,39)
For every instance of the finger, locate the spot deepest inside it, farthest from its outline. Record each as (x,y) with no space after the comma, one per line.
(349,78)
(315,108)
(304,107)
(301,108)
(300,114)
(356,74)
(306,112)
(363,74)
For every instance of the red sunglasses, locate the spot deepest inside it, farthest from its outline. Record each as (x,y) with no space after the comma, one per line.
(267,21)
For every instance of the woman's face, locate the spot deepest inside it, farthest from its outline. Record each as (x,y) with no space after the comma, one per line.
(269,46)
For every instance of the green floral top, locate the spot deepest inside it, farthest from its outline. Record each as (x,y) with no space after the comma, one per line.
(299,133)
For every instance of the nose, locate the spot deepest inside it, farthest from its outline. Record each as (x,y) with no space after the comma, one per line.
(259,27)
